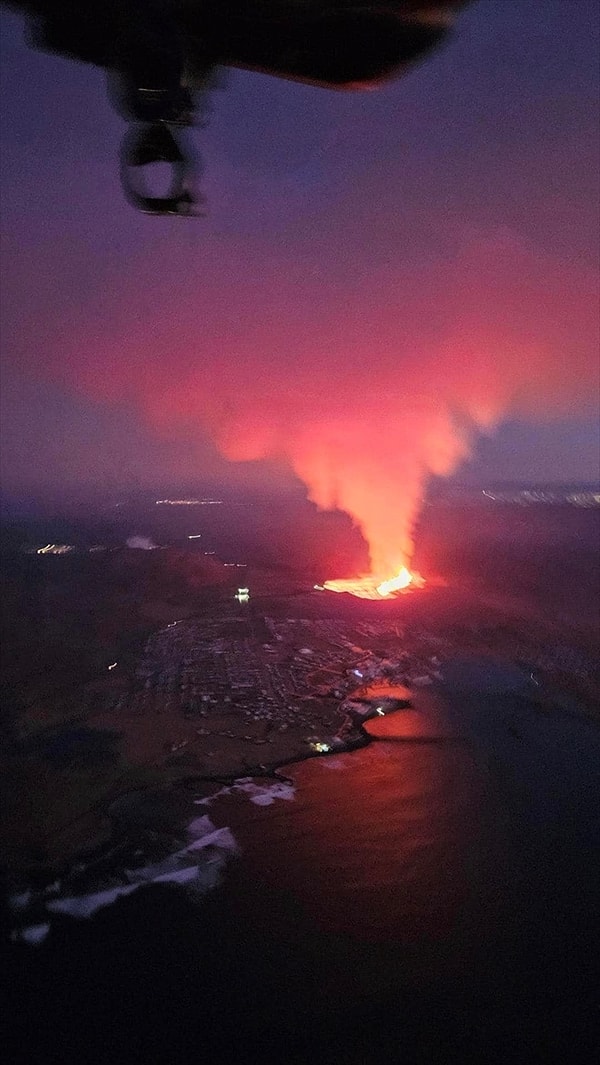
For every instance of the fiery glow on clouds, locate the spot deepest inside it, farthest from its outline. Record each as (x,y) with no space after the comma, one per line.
(386,400)
(366,388)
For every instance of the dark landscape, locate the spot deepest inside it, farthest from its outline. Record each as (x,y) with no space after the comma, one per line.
(101,765)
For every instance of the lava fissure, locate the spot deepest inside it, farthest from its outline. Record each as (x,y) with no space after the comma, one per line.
(373,587)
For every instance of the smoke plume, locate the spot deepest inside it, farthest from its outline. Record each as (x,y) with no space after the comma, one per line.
(364,386)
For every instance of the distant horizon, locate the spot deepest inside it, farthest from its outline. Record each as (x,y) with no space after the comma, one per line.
(13,506)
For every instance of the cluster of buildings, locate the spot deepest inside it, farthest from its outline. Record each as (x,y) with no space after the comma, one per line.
(278,673)
(50,549)
(188,502)
(284,672)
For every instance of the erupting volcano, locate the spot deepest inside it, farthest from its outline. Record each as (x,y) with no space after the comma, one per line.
(371,587)
(363,392)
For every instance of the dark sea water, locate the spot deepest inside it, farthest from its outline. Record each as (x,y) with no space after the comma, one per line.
(433,897)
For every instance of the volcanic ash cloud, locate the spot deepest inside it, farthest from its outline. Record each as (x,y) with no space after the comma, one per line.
(404,379)
(366,387)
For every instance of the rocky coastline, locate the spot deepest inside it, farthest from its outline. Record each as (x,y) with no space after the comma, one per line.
(148,829)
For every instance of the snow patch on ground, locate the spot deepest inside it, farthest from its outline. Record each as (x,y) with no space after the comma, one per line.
(259,794)
(86,905)
(200,826)
(222,838)
(32,934)
(197,867)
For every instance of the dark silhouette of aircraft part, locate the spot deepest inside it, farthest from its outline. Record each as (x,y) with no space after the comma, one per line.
(158,53)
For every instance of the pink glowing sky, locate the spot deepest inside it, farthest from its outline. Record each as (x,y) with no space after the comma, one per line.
(383,283)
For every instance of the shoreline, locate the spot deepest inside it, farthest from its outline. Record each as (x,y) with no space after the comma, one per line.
(95,835)
(35,895)
(207,701)
(351,736)
(96,879)
(146,825)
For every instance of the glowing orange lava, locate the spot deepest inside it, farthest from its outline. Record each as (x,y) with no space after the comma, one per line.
(372,587)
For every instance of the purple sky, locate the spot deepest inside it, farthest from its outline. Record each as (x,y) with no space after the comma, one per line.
(497,133)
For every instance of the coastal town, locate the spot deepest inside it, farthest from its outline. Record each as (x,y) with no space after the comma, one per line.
(243,689)
(211,692)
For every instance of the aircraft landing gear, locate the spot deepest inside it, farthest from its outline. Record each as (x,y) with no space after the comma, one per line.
(156,143)
(147,89)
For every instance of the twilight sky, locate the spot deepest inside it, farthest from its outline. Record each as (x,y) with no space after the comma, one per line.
(417,266)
